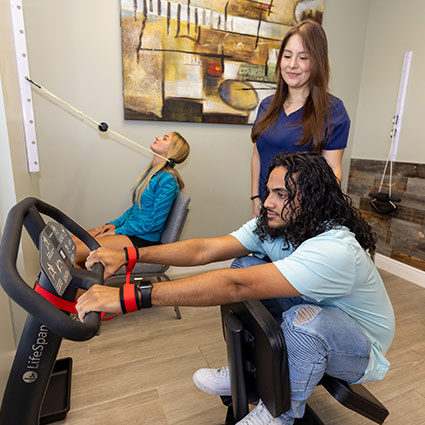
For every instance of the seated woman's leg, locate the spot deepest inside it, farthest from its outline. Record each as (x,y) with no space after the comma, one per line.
(321,339)
(110,241)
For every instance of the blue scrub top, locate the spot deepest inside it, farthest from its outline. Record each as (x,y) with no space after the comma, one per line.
(287,130)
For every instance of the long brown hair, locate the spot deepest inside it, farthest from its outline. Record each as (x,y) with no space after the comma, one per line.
(316,107)
(314,203)
(178,150)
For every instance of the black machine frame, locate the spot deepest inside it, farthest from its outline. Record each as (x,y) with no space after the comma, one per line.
(46,325)
(258,369)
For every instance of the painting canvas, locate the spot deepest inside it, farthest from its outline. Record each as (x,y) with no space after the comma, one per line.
(207,61)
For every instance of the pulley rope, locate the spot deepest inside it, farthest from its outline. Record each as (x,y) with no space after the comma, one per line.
(102,126)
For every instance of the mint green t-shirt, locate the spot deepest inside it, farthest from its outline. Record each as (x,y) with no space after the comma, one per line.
(333,269)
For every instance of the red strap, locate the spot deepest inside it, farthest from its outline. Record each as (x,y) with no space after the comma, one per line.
(129,297)
(63,304)
(105,319)
(56,301)
(128,290)
(132,259)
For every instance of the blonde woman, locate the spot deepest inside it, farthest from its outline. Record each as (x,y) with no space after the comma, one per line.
(153,196)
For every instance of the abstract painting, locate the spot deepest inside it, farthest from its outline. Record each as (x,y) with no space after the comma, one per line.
(209,61)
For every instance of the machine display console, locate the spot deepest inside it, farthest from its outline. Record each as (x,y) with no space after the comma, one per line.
(57,255)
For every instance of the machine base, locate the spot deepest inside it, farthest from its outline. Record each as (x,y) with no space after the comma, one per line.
(56,403)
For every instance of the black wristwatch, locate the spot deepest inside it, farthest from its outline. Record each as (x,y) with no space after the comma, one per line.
(145,292)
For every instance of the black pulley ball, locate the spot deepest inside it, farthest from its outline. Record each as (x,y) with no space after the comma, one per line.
(103,126)
(171,162)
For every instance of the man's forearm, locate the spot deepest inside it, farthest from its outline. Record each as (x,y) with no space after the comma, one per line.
(206,289)
(192,252)
(212,288)
(184,253)
(224,287)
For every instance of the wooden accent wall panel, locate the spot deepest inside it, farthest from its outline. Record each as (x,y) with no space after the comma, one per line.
(401,234)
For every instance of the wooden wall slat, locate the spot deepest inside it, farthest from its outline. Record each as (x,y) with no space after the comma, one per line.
(401,234)
(415,185)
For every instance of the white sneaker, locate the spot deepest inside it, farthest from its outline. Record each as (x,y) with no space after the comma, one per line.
(260,416)
(213,381)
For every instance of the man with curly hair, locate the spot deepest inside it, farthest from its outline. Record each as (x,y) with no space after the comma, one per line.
(308,257)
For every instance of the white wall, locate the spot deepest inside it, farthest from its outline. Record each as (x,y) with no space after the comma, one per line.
(394,28)
(75,51)
(7,339)
(15,183)
(345,23)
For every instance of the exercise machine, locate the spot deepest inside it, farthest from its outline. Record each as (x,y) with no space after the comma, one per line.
(37,391)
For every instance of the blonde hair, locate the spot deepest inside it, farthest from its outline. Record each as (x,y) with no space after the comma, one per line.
(178,151)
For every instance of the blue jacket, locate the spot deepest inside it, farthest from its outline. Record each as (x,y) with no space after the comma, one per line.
(148,220)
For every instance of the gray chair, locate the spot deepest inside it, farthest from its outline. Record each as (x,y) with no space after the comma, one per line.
(171,233)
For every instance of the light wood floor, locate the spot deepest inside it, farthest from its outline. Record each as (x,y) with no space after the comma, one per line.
(138,370)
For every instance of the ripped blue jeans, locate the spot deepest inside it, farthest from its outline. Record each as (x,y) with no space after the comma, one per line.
(319,339)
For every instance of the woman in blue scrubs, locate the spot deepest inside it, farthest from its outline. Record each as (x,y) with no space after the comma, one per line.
(301,115)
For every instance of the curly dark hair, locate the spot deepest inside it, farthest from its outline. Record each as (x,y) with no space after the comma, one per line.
(321,203)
